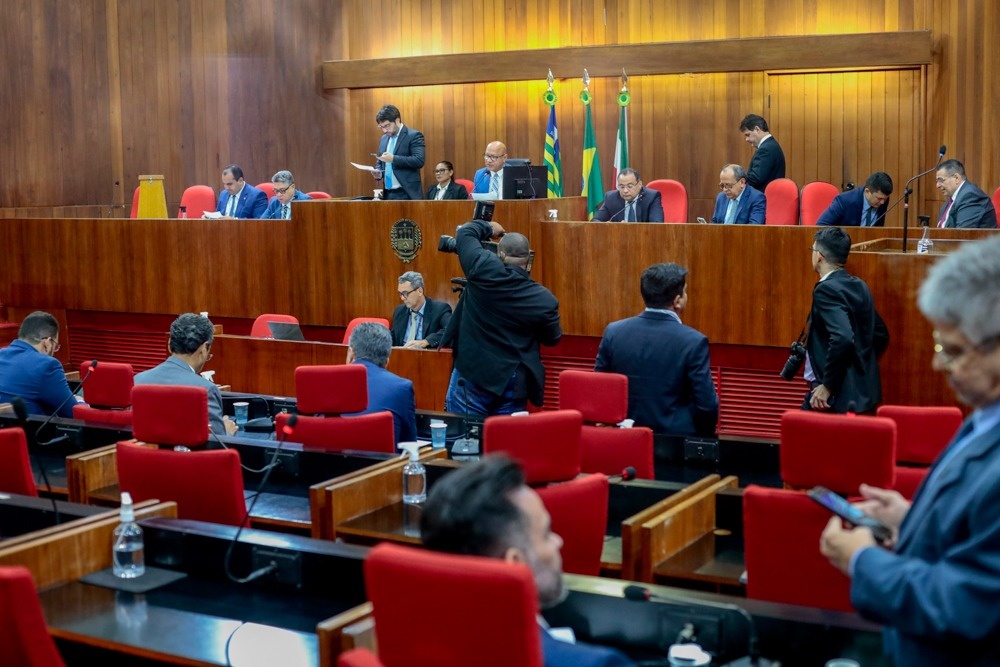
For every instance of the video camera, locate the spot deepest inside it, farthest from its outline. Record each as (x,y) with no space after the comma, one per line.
(796,357)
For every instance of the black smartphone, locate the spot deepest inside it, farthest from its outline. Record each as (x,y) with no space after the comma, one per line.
(849,513)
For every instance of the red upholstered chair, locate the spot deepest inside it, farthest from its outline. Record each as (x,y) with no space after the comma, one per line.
(452,590)
(359,657)
(782,202)
(781,530)
(369,433)
(23,634)
(358,320)
(469,185)
(135,204)
(196,200)
(839,452)
(996,199)
(318,194)
(815,198)
(15,466)
(674,197)
(109,393)
(546,444)
(260,328)
(922,433)
(579,511)
(331,390)
(268,189)
(170,414)
(207,485)
(602,398)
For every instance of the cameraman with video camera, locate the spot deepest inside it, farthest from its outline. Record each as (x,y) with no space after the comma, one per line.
(498,325)
(845,336)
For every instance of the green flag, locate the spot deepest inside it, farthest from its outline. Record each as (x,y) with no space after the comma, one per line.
(592,186)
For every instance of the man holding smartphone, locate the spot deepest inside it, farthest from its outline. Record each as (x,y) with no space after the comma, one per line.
(936,586)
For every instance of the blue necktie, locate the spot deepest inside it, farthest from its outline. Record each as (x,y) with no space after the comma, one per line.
(388,165)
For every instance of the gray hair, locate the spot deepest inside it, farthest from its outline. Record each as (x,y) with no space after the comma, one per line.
(738,171)
(413,278)
(284,177)
(372,342)
(189,332)
(963,290)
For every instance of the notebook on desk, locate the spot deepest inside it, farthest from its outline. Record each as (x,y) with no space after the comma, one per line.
(285,331)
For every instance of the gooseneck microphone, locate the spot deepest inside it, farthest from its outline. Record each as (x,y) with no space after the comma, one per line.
(475,185)
(907,191)
(622,209)
(21,412)
(55,413)
(627,475)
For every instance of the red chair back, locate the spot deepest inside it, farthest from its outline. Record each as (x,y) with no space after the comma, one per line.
(110,384)
(674,197)
(839,452)
(816,197)
(113,417)
(135,204)
(318,194)
(23,634)
(469,185)
(196,200)
(579,511)
(260,328)
(331,390)
(268,189)
(358,320)
(782,202)
(170,414)
(368,433)
(611,450)
(781,530)
(206,485)
(500,595)
(15,466)
(601,398)
(922,432)
(996,199)
(546,444)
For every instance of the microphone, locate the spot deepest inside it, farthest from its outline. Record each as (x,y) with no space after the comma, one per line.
(21,412)
(622,209)
(483,173)
(114,196)
(882,217)
(907,191)
(72,396)
(627,475)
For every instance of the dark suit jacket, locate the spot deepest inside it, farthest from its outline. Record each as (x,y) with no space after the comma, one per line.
(388,391)
(563,654)
(175,371)
(766,165)
(453,191)
(251,203)
(407,160)
(750,210)
(937,590)
(846,208)
(846,336)
(37,378)
(273,211)
(437,314)
(973,208)
(649,208)
(670,387)
(502,318)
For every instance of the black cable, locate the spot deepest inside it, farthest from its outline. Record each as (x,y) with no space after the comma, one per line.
(21,412)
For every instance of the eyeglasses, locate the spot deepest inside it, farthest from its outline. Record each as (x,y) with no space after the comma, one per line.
(385,126)
(941,180)
(55,343)
(628,186)
(281,191)
(441,171)
(951,355)
(493,158)
(406,293)
(727,186)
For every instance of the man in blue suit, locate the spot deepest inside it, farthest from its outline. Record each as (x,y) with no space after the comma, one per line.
(670,387)
(29,370)
(864,208)
(285,193)
(738,203)
(631,202)
(486,509)
(239,199)
(370,345)
(488,181)
(935,586)
(401,156)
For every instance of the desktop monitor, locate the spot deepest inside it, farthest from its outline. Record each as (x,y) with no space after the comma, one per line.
(521,180)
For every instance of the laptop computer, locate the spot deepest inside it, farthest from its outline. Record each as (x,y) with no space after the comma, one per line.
(285,331)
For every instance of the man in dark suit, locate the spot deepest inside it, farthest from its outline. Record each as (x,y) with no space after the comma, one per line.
(501,319)
(768,161)
(190,347)
(486,509)
(631,202)
(370,345)
(738,203)
(401,156)
(966,205)
(418,322)
(29,370)
(670,387)
(285,193)
(239,199)
(864,208)
(935,586)
(846,334)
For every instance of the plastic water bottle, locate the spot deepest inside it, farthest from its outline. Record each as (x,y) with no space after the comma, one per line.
(925,244)
(414,476)
(128,555)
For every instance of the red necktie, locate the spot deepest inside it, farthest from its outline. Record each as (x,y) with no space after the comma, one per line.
(944,216)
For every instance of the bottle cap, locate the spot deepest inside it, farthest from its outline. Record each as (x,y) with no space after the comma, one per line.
(127,513)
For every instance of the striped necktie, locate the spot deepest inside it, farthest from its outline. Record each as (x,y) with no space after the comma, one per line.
(495,184)
(284,212)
